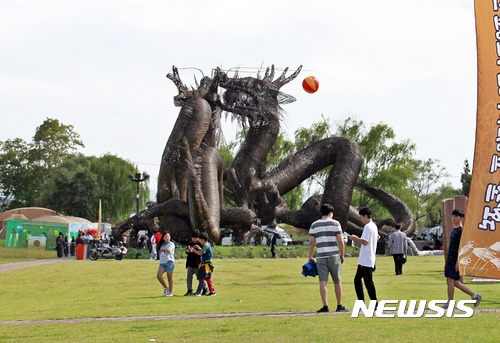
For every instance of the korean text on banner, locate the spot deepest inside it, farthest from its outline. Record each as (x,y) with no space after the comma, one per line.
(480,244)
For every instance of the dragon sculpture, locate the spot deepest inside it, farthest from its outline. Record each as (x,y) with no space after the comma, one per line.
(192,181)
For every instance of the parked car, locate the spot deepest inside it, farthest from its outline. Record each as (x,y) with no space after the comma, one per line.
(282,239)
(431,239)
(227,240)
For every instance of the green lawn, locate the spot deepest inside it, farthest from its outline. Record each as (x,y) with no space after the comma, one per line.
(109,288)
(8,255)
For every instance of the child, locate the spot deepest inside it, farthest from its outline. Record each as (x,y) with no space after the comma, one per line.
(193,260)
(206,267)
(167,264)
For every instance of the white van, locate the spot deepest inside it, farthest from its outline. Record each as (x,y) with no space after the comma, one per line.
(227,240)
(282,239)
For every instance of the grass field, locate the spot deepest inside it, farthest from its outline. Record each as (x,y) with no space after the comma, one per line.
(110,289)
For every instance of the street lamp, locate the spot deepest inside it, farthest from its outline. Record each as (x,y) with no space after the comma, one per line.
(138,178)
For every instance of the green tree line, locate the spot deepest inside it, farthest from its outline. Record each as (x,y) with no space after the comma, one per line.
(388,163)
(49,172)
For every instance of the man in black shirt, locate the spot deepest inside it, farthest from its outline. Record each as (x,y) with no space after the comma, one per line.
(453,278)
(192,261)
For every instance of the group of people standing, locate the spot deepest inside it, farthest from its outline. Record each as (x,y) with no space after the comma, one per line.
(198,263)
(326,235)
(64,243)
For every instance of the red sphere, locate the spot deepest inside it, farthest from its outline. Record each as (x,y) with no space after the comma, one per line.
(310,84)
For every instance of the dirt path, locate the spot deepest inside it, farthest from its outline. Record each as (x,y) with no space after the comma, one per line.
(18,265)
(188,316)
(166,317)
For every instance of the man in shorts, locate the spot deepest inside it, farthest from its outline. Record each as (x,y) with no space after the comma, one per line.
(451,273)
(326,235)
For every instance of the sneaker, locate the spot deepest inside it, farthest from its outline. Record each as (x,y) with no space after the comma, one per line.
(323,309)
(169,295)
(188,293)
(205,291)
(477,297)
(445,305)
(197,294)
(341,308)
(211,294)
(166,291)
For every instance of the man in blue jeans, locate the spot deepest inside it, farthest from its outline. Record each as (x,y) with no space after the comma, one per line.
(366,259)
(192,262)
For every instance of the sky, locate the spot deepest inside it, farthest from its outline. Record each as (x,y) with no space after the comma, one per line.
(101,66)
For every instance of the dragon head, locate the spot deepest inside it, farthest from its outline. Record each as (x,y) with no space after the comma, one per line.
(252,97)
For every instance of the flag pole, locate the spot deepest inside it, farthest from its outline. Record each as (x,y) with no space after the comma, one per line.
(99,221)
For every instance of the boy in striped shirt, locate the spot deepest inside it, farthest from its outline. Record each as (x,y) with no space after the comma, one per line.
(326,235)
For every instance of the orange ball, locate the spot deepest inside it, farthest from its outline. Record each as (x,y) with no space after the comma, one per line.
(310,84)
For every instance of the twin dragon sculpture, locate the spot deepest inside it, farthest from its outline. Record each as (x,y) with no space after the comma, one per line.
(192,182)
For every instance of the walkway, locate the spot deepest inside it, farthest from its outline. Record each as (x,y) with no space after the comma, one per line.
(18,265)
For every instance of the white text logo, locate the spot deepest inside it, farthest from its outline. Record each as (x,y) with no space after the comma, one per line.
(409,309)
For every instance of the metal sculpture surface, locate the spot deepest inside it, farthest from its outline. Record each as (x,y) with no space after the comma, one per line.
(190,183)
(191,166)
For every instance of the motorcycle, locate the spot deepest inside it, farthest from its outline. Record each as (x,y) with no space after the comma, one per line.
(103,250)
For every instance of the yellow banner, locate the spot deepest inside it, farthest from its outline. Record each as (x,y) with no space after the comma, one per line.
(480,244)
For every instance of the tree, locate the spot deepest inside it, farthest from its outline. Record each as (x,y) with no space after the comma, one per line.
(72,189)
(384,160)
(427,190)
(18,172)
(79,182)
(465,178)
(53,141)
(391,165)
(47,173)
(433,207)
(388,164)
(117,191)
(25,166)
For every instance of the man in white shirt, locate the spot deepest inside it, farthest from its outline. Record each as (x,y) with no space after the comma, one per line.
(153,253)
(366,259)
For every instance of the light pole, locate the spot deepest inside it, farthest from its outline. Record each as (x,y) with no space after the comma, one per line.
(138,178)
